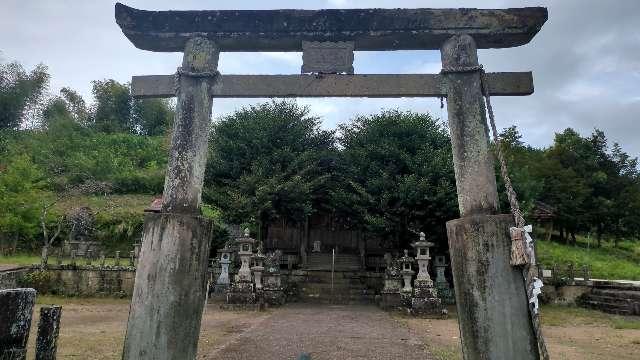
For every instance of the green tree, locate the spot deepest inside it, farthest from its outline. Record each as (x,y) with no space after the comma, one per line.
(398,174)
(111,112)
(152,117)
(22,187)
(268,161)
(20,92)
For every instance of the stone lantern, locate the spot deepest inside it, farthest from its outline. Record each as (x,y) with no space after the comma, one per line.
(223,280)
(423,257)
(245,251)
(407,272)
(258,268)
(425,296)
(241,291)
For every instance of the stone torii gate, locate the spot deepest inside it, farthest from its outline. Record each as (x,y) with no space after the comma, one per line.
(169,293)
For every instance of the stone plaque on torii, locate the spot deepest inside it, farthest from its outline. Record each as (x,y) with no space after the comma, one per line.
(169,293)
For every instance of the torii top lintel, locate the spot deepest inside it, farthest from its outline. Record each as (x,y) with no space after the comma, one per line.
(369,29)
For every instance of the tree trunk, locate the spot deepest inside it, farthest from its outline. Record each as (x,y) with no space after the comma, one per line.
(44,257)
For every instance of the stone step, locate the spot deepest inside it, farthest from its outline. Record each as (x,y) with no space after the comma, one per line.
(607,307)
(609,299)
(338,299)
(621,294)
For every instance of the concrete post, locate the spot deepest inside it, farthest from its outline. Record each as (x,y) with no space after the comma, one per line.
(171,277)
(48,329)
(490,293)
(473,164)
(16,310)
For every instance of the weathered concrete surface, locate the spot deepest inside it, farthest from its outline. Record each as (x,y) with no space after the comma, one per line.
(326,332)
(48,330)
(170,289)
(473,163)
(490,294)
(188,153)
(331,85)
(370,29)
(16,311)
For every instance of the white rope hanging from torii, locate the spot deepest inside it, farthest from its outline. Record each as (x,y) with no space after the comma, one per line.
(522,244)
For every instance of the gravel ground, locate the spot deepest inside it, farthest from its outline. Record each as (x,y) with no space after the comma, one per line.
(325,332)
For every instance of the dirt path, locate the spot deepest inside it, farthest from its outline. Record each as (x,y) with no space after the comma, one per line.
(326,332)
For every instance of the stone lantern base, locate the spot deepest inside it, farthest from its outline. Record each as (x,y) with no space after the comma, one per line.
(425,300)
(274,296)
(241,292)
(272,290)
(220,289)
(390,294)
(406,297)
(446,293)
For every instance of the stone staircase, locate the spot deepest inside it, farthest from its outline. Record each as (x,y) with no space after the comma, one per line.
(343,262)
(613,298)
(348,288)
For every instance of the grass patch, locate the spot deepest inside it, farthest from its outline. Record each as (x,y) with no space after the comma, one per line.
(64,300)
(606,262)
(445,352)
(561,315)
(19,259)
(28,259)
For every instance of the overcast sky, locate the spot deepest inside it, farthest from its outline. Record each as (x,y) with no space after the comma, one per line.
(585,61)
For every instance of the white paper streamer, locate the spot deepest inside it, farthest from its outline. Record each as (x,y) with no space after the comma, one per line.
(537,290)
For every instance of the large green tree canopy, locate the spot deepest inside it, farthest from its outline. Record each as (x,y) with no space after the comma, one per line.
(398,174)
(268,161)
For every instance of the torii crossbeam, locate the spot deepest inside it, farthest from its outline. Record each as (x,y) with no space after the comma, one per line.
(169,293)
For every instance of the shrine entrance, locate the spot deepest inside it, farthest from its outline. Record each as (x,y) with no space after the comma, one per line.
(492,296)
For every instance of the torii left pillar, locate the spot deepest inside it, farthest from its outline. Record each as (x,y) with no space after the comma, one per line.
(170,287)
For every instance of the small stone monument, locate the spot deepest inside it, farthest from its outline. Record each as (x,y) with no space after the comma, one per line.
(317,246)
(273,291)
(445,292)
(258,268)
(241,290)
(390,294)
(425,299)
(222,283)
(407,273)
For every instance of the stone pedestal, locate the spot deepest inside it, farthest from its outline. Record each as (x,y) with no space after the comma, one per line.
(425,299)
(273,291)
(241,292)
(445,291)
(390,294)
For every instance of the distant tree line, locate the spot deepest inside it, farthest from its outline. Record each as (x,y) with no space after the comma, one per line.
(389,174)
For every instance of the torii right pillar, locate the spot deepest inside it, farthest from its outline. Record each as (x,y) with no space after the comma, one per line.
(490,294)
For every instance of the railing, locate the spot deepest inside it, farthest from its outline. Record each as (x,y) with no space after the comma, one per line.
(564,273)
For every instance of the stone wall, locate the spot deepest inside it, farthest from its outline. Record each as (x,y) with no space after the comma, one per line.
(94,280)
(79,280)
(9,277)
